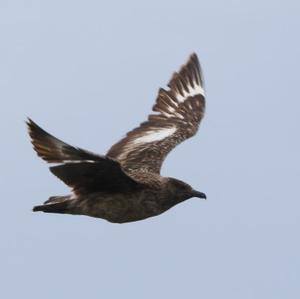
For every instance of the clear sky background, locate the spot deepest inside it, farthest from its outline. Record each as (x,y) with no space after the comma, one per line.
(88,72)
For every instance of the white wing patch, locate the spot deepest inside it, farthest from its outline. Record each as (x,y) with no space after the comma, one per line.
(77,161)
(192,91)
(155,135)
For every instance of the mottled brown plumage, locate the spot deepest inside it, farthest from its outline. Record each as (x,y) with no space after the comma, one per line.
(125,185)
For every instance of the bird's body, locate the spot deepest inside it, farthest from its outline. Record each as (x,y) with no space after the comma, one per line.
(116,207)
(125,185)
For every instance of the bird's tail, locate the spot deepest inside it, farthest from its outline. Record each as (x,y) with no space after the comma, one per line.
(55,204)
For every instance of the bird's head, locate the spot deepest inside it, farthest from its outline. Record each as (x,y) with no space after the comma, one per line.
(182,190)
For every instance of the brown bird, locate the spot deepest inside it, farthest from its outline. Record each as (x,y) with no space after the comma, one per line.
(125,185)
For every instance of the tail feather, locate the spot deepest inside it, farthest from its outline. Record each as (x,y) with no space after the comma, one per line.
(55,204)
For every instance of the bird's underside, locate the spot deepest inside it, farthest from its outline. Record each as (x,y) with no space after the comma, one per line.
(125,184)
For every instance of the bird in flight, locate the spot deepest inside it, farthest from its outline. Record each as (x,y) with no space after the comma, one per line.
(125,185)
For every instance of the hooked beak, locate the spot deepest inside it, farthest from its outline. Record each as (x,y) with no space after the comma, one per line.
(198,194)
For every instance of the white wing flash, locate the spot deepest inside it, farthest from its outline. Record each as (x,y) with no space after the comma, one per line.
(156,135)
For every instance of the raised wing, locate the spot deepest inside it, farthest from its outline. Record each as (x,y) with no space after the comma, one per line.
(179,112)
(82,170)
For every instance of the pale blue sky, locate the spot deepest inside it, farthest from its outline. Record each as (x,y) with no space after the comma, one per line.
(89,71)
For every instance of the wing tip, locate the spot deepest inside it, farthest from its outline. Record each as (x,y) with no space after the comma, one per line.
(30,124)
(41,141)
(194,60)
(34,130)
(189,80)
(193,56)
